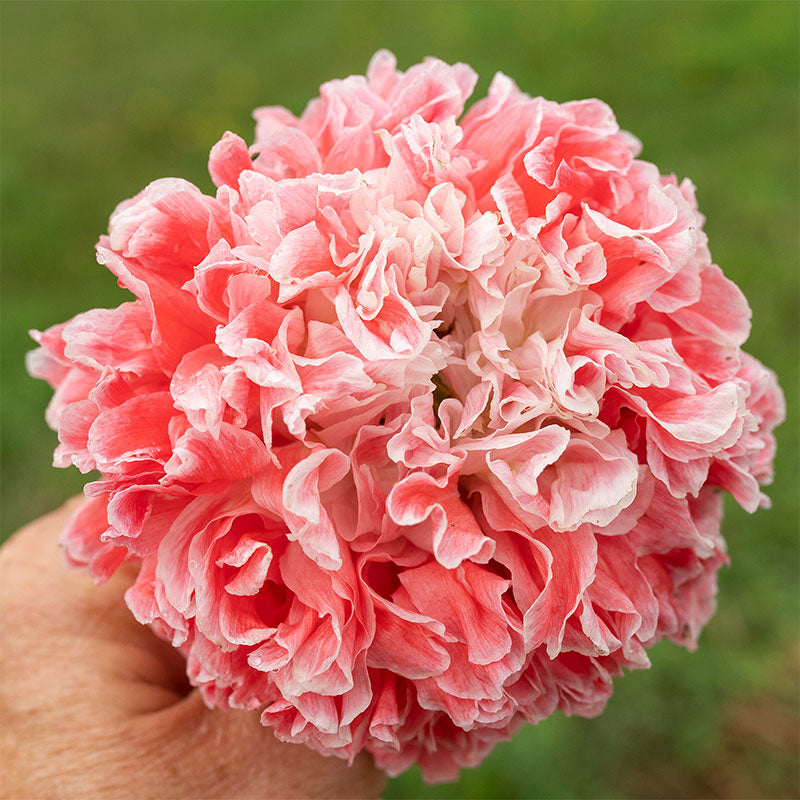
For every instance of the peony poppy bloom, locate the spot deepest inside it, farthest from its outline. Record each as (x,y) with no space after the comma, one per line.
(418,427)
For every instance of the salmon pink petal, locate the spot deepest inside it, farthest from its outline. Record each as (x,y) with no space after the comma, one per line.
(136,430)
(454,533)
(721,313)
(196,386)
(81,540)
(309,520)
(407,644)
(302,261)
(596,480)
(487,640)
(178,324)
(570,560)
(228,159)
(286,152)
(200,457)
(117,339)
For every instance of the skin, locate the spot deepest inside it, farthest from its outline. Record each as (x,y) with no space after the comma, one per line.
(94,705)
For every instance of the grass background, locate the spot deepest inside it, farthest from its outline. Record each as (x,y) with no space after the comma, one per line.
(100,98)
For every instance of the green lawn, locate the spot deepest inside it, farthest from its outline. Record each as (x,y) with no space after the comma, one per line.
(100,98)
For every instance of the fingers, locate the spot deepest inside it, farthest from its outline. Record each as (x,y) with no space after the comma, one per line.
(186,752)
(229,754)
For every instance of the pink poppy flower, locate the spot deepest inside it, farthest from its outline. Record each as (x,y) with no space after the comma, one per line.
(417,426)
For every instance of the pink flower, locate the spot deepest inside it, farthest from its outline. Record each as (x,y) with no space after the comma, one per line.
(416,427)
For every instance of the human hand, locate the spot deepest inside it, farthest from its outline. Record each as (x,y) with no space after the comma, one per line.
(93,704)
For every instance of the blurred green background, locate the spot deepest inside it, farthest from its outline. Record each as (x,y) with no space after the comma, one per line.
(101,98)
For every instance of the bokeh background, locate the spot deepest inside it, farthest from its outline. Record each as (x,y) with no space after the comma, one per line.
(100,98)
